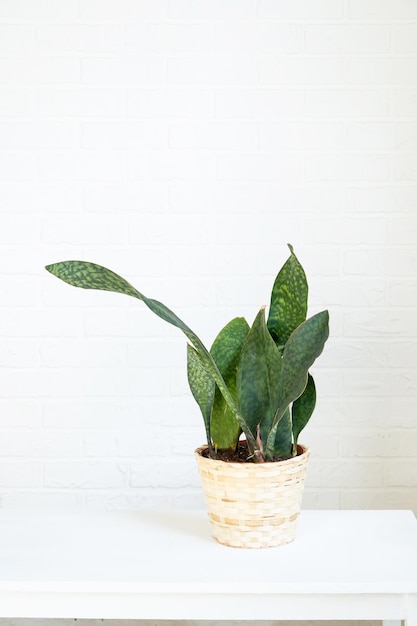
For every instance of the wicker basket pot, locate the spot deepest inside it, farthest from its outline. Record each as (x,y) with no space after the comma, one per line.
(253,505)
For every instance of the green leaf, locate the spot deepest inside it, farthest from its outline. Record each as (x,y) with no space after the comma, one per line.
(226,350)
(302,409)
(283,437)
(288,306)
(301,350)
(202,387)
(258,378)
(92,276)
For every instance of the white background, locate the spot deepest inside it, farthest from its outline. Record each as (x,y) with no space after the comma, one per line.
(183,143)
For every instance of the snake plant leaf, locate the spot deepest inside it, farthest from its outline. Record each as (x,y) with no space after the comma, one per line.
(89,275)
(303,408)
(202,387)
(258,378)
(92,276)
(283,439)
(305,344)
(226,350)
(301,350)
(288,306)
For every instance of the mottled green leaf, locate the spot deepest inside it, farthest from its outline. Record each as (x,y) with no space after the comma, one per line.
(226,350)
(283,437)
(301,350)
(303,408)
(92,276)
(202,387)
(258,377)
(288,306)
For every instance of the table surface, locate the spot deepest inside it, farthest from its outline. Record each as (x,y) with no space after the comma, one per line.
(148,551)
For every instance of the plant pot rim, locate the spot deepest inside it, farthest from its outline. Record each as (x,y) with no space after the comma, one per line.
(301,449)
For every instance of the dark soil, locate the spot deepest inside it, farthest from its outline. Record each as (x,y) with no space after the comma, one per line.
(240,455)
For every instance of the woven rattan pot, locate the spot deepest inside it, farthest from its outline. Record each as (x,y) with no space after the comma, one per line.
(253,505)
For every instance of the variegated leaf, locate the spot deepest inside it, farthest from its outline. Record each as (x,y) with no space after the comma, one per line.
(226,351)
(301,350)
(288,306)
(303,408)
(258,378)
(283,437)
(202,387)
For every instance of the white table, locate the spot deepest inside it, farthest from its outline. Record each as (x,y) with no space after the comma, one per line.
(165,565)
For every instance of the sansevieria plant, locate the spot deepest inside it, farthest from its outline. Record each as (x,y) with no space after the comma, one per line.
(254,380)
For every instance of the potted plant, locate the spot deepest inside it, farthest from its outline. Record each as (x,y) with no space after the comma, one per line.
(256,395)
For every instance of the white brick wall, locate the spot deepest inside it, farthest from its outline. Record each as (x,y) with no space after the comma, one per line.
(183,144)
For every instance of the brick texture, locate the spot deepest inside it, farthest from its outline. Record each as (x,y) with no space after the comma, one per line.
(183,144)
